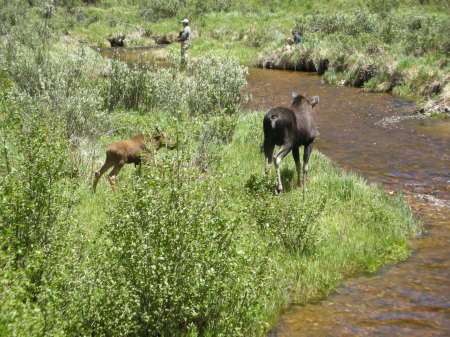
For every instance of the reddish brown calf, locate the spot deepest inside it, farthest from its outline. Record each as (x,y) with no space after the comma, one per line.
(129,151)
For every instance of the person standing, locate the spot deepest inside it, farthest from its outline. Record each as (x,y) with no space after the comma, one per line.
(185,38)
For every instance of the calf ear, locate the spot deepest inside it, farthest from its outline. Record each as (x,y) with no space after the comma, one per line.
(314,100)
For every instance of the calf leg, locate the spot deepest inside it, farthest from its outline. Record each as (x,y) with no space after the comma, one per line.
(296,155)
(284,150)
(112,176)
(100,172)
(306,154)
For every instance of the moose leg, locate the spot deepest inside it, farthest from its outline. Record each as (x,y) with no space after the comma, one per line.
(100,172)
(306,154)
(268,154)
(296,155)
(284,150)
(112,176)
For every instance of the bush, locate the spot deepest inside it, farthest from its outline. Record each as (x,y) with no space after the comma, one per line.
(60,84)
(161,9)
(36,200)
(216,85)
(175,263)
(128,88)
(215,132)
(424,34)
(144,88)
(34,194)
(292,228)
(382,7)
(354,23)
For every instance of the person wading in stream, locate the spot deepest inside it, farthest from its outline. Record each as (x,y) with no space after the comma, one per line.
(185,38)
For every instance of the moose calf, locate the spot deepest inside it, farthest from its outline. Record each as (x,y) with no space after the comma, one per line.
(129,151)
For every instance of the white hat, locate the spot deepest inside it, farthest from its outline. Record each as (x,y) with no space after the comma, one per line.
(185,21)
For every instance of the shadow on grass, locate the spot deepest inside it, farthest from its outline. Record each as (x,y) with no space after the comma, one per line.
(288,179)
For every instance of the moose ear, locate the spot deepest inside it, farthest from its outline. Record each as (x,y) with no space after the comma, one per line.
(294,94)
(314,100)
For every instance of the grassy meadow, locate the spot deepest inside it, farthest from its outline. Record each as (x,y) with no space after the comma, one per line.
(197,246)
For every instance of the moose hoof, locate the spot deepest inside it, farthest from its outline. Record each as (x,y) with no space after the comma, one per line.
(279,190)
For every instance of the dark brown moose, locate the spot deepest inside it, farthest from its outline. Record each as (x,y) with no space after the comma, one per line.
(129,151)
(290,128)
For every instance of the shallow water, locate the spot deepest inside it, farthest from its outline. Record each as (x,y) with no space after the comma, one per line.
(382,139)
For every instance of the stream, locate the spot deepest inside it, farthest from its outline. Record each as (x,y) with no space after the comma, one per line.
(379,137)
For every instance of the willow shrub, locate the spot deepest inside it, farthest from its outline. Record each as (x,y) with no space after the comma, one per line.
(159,9)
(144,88)
(214,133)
(61,83)
(127,88)
(174,263)
(417,34)
(211,84)
(216,85)
(33,197)
(36,198)
(291,228)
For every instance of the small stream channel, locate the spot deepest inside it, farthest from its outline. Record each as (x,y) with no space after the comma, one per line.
(380,138)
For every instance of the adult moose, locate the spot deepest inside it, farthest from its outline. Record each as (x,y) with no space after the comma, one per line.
(290,128)
(129,151)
